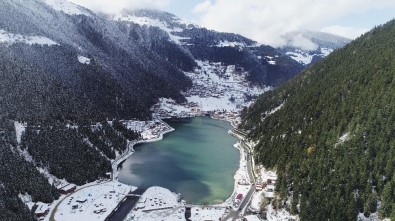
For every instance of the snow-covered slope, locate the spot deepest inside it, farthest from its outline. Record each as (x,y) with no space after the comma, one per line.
(171,29)
(308,47)
(9,38)
(266,66)
(67,7)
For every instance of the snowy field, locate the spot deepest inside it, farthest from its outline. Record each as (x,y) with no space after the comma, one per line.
(67,7)
(216,87)
(92,203)
(208,213)
(158,203)
(10,38)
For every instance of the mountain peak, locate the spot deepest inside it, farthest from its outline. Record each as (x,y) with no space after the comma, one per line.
(308,47)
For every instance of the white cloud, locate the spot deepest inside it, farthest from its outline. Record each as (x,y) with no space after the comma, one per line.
(348,32)
(299,41)
(202,7)
(115,6)
(267,20)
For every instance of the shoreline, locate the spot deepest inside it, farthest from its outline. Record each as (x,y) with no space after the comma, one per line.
(229,201)
(242,153)
(120,159)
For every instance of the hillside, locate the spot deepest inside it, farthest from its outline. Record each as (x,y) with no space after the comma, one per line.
(309,47)
(68,73)
(331,137)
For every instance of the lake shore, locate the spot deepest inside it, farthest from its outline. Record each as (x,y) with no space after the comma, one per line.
(241,178)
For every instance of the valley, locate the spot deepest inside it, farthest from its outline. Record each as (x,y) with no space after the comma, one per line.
(126,113)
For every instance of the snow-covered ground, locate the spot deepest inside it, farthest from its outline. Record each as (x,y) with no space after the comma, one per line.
(158,203)
(230,44)
(300,56)
(93,202)
(199,213)
(83,60)
(67,7)
(10,38)
(150,22)
(252,218)
(279,215)
(256,201)
(216,87)
(305,57)
(19,129)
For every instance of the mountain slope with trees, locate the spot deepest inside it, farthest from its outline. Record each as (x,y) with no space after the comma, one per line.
(332,141)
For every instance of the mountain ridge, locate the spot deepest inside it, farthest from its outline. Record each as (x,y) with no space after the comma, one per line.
(332,132)
(308,47)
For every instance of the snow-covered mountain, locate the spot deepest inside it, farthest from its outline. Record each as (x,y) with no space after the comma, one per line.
(266,65)
(308,47)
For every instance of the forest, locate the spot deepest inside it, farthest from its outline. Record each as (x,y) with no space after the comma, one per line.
(332,142)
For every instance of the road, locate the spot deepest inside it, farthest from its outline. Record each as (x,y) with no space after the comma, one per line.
(235,214)
(127,206)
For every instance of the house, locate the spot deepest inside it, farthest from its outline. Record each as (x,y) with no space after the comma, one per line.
(69,188)
(42,210)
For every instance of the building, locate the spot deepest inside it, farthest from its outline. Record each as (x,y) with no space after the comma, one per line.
(69,188)
(42,210)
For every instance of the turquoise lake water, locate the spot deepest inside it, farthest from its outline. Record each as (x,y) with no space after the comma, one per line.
(197,160)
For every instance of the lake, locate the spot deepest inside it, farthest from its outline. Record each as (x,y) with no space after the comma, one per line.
(197,160)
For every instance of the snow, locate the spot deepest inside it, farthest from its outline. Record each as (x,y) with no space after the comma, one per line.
(268,113)
(226,43)
(158,203)
(207,213)
(216,87)
(67,7)
(19,130)
(302,57)
(252,218)
(212,103)
(27,200)
(326,51)
(269,59)
(51,178)
(100,198)
(42,207)
(372,217)
(279,215)
(150,22)
(305,57)
(343,138)
(10,38)
(83,60)
(256,201)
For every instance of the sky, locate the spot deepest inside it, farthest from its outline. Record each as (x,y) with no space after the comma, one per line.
(266,21)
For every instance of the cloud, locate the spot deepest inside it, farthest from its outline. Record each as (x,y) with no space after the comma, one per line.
(348,32)
(115,6)
(202,7)
(298,41)
(267,20)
